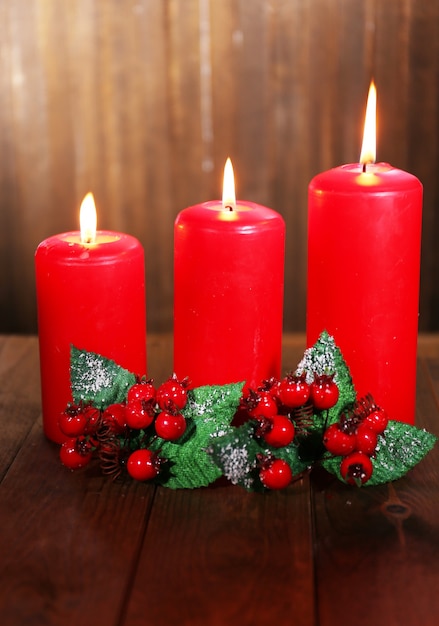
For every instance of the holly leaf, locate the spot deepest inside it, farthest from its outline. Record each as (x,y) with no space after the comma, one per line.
(325,357)
(399,449)
(97,380)
(236,454)
(209,412)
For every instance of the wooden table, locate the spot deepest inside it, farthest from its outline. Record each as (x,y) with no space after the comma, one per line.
(78,549)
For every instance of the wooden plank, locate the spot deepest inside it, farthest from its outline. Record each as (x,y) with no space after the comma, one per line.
(68,541)
(428,345)
(160,356)
(423,145)
(293,347)
(19,394)
(142,101)
(8,288)
(430,370)
(241,94)
(222,556)
(377,548)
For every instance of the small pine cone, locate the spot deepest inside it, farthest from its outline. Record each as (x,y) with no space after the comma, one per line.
(302,417)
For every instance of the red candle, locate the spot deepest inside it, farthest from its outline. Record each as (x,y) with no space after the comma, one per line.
(364,238)
(90,294)
(228,291)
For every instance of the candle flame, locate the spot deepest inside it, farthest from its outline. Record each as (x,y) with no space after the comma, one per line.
(368,149)
(229,197)
(87,219)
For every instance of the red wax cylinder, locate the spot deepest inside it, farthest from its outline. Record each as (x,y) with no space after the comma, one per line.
(364,242)
(228,293)
(91,296)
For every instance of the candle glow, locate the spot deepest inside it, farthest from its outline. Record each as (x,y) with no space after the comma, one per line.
(229,195)
(88,219)
(368,148)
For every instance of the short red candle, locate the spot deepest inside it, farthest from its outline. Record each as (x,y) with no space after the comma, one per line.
(364,239)
(91,296)
(228,293)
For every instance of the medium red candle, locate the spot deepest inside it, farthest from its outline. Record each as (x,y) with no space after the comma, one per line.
(90,294)
(364,240)
(228,291)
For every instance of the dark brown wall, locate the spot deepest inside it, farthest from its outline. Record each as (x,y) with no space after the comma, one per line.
(141,101)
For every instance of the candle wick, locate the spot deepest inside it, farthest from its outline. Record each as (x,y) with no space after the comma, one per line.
(364,168)
(228,206)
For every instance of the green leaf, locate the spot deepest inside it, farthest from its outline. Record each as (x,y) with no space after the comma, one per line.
(325,357)
(208,413)
(399,449)
(236,454)
(97,380)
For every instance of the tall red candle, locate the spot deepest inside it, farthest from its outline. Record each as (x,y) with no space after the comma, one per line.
(228,292)
(364,235)
(364,244)
(92,296)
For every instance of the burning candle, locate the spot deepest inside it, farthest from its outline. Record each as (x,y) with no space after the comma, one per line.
(364,239)
(90,294)
(228,290)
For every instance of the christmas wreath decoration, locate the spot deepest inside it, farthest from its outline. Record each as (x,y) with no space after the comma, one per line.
(260,439)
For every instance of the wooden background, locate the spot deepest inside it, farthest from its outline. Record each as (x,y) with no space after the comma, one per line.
(141,101)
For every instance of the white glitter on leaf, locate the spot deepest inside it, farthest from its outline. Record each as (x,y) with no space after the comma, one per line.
(98,380)
(319,359)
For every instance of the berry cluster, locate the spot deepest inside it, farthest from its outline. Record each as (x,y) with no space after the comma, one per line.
(355,438)
(262,437)
(280,408)
(147,410)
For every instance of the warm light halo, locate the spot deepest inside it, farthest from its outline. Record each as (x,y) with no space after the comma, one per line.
(368,148)
(88,219)
(229,196)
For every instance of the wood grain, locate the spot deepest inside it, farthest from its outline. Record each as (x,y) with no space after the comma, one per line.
(77,548)
(141,103)
(69,542)
(214,557)
(20,402)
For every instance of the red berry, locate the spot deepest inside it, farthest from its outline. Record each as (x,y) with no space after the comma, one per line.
(356,468)
(75,453)
(261,404)
(337,441)
(93,417)
(272,386)
(139,414)
(276,474)
(143,390)
(366,439)
(280,431)
(72,421)
(114,417)
(170,426)
(294,391)
(172,394)
(377,420)
(143,464)
(324,392)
